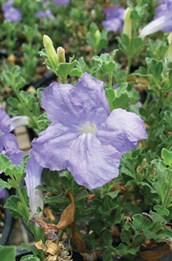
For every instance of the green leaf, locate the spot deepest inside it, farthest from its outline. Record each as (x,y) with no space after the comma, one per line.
(79,68)
(122,101)
(161,210)
(124,44)
(98,40)
(126,236)
(140,222)
(137,42)
(166,156)
(64,69)
(110,96)
(5,163)
(159,69)
(13,204)
(4,184)
(13,102)
(7,253)
(113,194)
(29,258)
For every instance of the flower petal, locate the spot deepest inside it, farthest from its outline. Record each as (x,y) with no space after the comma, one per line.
(58,3)
(12,150)
(18,121)
(113,25)
(91,164)
(52,147)
(158,24)
(122,130)
(71,106)
(89,95)
(33,179)
(5,122)
(56,102)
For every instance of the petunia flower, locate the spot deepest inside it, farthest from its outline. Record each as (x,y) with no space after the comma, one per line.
(8,142)
(114,18)
(46,12)
(58,3)
(11,14)
(85,137)
(33,179)
(162,21)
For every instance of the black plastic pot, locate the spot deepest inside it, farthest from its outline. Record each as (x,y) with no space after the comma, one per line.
(7,221)
(20,254)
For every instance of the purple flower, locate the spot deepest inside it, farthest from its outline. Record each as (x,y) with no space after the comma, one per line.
(11,14)
(114,18)
(84,137)
(3,193)
(45,12)
(8,142)
(162,21)
(33,179)
(58,3)
(165,9)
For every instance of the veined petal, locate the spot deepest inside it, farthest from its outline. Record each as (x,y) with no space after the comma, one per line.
(16,157)
(10,142)
(5,122)
(52,148)
(89,97)
(33,179)
(71,106)
(12,149)
(122,130)
(91,164)
(56,102)
(158,24)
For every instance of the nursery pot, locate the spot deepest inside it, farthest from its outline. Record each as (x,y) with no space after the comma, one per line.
(159,252)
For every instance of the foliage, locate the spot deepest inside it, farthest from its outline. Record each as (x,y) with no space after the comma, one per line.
(136,207)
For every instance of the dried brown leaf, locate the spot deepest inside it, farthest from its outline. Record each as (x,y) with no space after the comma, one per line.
(67,217)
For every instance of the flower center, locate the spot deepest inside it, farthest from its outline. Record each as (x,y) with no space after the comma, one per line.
(88,128)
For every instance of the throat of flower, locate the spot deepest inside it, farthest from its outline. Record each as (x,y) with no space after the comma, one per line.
(88,128)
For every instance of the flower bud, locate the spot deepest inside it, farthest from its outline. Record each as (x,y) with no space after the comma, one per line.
(51,53)
(127,29)
(61,55)
(169,51)
(98,36)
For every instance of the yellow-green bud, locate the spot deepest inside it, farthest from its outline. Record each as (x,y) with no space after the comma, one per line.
(61,55)
(97,36)
(169,51)
(127,29)
(51,53)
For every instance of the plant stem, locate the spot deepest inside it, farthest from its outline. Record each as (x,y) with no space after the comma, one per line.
(167,198)
(128,66)
(110,80)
